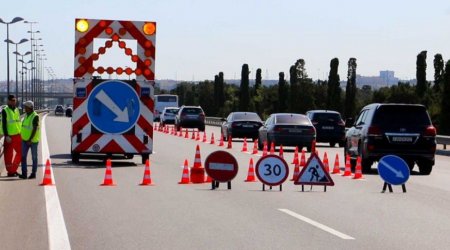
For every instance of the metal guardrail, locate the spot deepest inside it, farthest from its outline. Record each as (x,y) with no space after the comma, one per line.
(217,121)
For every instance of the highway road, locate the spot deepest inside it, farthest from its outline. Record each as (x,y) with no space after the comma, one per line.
(351,215)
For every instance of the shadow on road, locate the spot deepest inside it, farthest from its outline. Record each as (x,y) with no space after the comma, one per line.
(90,163)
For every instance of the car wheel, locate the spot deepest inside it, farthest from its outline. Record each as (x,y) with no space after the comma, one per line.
(260,144)
(75,158)
(332,144)
(202,128)
(366,165)
(145,157)
(178,128)
(425,166)
(411,164)
(308,149)
(342,144)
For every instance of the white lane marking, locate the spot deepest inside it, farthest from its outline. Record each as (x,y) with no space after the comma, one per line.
(316,224)
(56,227)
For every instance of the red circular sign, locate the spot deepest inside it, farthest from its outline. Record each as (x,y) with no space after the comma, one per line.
(272,170)
(221,166)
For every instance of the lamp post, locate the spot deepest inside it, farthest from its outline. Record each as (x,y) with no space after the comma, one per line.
(34,58)
(23,62)
(15,20)
(17,63)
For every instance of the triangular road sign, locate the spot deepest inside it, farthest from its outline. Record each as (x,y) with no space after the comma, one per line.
(314,173)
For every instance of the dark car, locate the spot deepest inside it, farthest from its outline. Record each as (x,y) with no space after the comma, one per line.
(241,125)
(59,110)
(329,126)
(190,117)
(69,111)
(288,130)
(404,130)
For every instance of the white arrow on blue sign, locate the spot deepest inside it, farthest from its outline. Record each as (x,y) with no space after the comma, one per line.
(393,170)
(113,107)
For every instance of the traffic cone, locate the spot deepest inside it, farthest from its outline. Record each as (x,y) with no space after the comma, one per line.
(47,180)
(336,168)
(255,147)
(303,158)
(358,169)
(155,127)
(296,172)
(348,170)
(325,162)
(204,137)
(281,152)
(244,147)
(186,135)
(230,142)
(272,148)
(251,172)
(264,148)
(185,175)
(295,160)
(193,135)
(198,136)
(212,139)
(180,133)
(147,180)
(108,181)
(197,171)
(221,144)
(208,179)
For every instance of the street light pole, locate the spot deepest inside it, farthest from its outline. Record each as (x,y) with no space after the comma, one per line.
(17,68)
(15,20)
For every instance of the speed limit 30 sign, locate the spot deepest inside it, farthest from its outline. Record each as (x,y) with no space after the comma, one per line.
(272,170)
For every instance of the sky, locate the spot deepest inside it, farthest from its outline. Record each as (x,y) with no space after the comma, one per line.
(196,39)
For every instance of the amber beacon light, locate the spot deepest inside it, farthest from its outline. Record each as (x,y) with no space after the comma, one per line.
(149,28)
(82,25)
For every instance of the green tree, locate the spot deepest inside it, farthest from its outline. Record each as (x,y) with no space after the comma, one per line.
(444,121)
(334,88)
(350,90)
(244,97)
(257,97)
(421,74)
(438,72)
(258,81)
(293,93)
(282,93)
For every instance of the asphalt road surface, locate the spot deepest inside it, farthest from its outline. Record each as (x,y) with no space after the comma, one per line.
(351,215)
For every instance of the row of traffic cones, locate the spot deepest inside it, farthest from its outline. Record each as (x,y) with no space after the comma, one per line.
(108,180)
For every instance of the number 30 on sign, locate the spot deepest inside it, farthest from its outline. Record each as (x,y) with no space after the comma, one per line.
(272,170)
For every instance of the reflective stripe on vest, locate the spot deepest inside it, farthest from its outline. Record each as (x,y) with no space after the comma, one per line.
(12,121)
(27,128)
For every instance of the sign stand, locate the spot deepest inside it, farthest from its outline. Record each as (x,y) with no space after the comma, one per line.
(324,188)
(264,187)
(387,185)
(215,184)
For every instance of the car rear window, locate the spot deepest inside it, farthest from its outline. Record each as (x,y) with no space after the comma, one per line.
(327,117)
(401,115)
(293,119)
(171,111)
(246,117)
(164,98)
(192,111)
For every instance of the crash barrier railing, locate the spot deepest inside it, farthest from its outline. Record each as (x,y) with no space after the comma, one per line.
(217,121)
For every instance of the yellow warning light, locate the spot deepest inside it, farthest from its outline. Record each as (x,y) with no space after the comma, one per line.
(149,28)
(82,25)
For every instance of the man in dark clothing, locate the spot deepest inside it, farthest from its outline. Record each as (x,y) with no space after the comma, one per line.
(13,142)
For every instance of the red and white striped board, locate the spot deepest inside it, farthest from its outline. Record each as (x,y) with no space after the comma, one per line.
(85,137)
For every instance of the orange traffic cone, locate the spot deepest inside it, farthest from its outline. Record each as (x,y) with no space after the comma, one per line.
(197,171)
(336,168)
(251,172)
(272,148)
(325,162)
(193,135)
(296,172)
(186,135)
(198,136)
(147,180)
(47,180)
(185,175)
(265,149)
(108,181)
(348,170)
(303,158)
(208,179)
(221,144)
(204,137)
(180,133)
(230,142)
(244,147)
(281,151)
(255,147)
(358,169)
(295,160)
(212,139)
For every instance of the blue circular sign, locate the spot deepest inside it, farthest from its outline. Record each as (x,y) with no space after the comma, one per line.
(393,170)
(113,107)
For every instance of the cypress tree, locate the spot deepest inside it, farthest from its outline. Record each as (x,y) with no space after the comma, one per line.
(444,121)
(244,97)
(282,93)
(438,72)
(421,74)
(334,88)
(350,90)
(293,98)
(258,81)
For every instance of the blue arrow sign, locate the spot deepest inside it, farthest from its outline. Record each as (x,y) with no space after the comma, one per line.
(393,170)
(113,107)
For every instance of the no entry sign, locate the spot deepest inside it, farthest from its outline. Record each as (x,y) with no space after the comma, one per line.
(272,170)
(221,166)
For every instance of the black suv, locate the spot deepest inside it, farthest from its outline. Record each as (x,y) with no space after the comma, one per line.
(190,117)
(404,130)
(329,126)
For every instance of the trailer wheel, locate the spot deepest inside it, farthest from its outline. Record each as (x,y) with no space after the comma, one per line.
(75,157)
(145,157)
